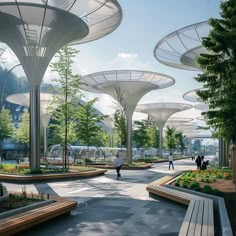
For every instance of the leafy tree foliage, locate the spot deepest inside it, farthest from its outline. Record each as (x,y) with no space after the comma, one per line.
(6,129)
(219,66)
(88,130)
(140,136)
(69,89)
(120,126)
(153,134)
(170,138)
(180,141)
(22,133)
(58,133)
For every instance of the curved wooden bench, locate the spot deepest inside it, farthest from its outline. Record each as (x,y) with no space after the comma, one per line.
(21,221)
(199,218)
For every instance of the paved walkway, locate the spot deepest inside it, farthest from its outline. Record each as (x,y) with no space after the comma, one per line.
(108,207)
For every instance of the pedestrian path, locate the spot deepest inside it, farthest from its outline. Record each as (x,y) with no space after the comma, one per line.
(107,206)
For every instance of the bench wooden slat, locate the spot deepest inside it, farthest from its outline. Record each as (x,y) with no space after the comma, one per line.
(184,228)
(205,218)
(161,181)
(199,222)
(193,220)
(210,219)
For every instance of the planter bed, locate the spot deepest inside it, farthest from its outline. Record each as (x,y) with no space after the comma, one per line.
(53,176)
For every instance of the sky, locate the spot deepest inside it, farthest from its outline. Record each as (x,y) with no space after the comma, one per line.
(130,47)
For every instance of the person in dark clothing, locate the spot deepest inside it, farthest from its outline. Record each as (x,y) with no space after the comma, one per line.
(199,162)
(204,165)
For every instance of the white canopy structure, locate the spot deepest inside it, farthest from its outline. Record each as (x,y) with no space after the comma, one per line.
(181,48)
(197,133)
(35,30)
(127,87)
(192,96)
(174,122)
(160,112)
(202,107)
(46,99)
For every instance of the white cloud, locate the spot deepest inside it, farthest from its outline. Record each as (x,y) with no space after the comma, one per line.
(127,55)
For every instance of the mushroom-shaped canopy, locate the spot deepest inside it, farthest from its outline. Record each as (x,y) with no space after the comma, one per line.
(160,112)
(36,29)
(202,107)
(181,48)
(175,122)
(126,86)
(192,95)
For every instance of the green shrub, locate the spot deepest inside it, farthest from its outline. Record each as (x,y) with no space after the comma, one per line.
(197,188)
(33,171)
(88,161)
(177,184)
(185,184)
(193,185)
(207,189)
(216,192)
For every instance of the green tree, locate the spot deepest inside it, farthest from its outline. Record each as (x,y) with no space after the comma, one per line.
(6,129)
(140,136)
(170,138)
(58,135)
(120,126)
(22,133)
(87,119)
(219,66)
(69,89)
(180,141)
(153,134)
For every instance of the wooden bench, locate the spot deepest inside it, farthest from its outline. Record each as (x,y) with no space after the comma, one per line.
(18,222)
(161,181)
(199,218)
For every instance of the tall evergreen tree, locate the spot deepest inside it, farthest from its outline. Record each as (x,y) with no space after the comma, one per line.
(219,66)
(87,127)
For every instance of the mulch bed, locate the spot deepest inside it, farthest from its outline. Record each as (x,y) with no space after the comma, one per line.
(10,205)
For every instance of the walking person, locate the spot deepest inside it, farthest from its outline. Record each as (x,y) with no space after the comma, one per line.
(199,162)
(118,162)
(170,157)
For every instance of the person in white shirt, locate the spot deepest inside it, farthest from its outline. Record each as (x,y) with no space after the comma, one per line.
(118,162)
(170,157)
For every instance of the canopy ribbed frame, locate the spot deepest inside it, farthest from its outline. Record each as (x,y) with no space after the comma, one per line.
(197,133)
(127,87)
(160,112)
(187,126)
(36,30)
(181,48)
(191,96)
(174,122)
(46,107)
